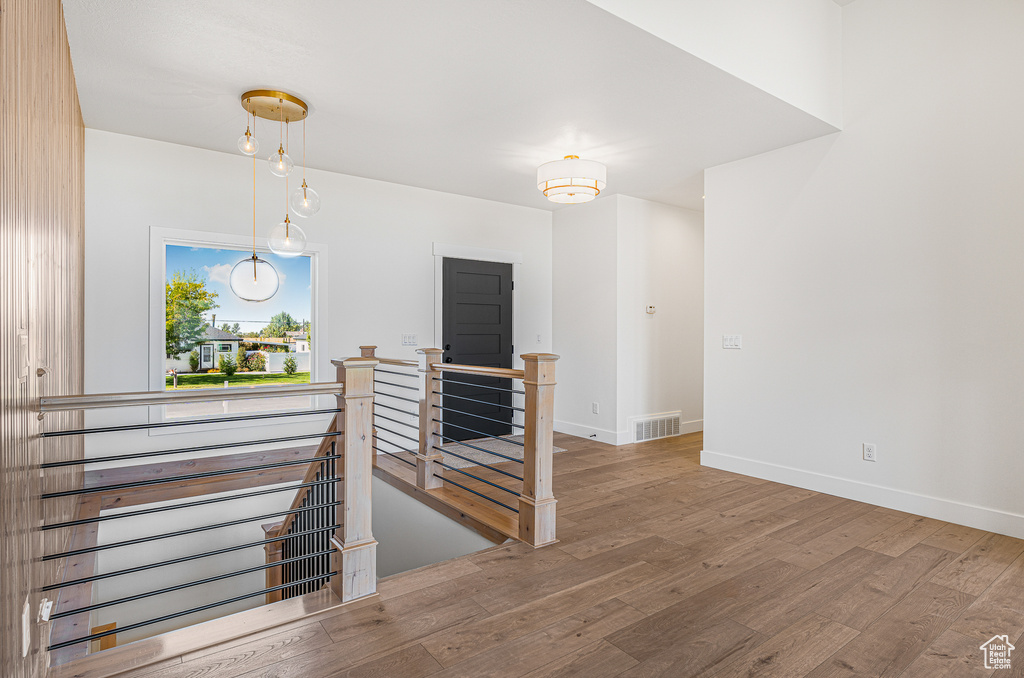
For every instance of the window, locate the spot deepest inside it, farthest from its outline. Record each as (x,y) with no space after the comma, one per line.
(202,262)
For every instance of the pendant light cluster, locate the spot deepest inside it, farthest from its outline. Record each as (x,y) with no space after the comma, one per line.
(255,279)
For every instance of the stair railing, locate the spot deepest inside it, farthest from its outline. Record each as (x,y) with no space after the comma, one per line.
(326,546)
(447,431)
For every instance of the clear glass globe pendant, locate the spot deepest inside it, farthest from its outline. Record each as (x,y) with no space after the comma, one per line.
(247,143)
(304,201)
(280,164)
(254,279)
(286,239)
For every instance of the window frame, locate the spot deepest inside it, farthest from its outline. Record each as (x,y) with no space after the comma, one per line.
(159,239)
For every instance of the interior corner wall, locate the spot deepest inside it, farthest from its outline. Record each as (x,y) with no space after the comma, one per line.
(612,258)
(875,276)
(584,276)
(660,355)
(791,49)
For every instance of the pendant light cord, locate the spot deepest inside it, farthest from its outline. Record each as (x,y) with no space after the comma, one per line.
(288,149)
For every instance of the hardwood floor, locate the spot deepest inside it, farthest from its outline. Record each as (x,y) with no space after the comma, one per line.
(666,568)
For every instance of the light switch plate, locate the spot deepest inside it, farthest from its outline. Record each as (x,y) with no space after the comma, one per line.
(732,341)
(408,340)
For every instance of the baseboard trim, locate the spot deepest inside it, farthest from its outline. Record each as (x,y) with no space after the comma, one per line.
(691,426)
(980,517)
(617,437)
(580,431)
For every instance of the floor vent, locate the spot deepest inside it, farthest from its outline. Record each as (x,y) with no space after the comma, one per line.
(656,426)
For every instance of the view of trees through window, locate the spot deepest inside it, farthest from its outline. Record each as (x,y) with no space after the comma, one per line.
(213,338)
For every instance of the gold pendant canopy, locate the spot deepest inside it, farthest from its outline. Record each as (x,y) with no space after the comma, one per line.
(268,104)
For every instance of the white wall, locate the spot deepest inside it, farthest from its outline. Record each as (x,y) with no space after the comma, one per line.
(876,277)
(660,356)
(789,48)
(585,317)
(379,238)
(411,535)
(613,257)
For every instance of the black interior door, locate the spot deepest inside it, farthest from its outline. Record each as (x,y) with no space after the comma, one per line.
(476,321)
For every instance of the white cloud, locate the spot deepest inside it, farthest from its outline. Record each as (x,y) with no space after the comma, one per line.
(219,273)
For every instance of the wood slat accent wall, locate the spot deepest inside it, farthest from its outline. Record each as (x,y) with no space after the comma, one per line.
(41,301)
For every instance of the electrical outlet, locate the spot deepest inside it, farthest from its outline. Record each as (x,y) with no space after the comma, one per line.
(870,452)
(596,407)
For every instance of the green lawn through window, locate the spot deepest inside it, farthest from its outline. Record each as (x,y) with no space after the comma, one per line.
(240,379)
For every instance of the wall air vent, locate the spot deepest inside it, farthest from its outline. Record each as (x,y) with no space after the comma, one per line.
(652,427)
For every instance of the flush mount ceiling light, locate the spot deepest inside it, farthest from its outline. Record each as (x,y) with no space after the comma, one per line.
(571,180)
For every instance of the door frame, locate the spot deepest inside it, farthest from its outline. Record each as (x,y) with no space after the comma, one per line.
(205,364)
(443,250)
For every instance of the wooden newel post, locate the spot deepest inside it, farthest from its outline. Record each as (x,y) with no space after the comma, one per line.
(537,502)
(273,550)
(355,556)
(428,473)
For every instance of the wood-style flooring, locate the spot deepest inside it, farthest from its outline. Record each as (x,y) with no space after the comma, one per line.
(666,568)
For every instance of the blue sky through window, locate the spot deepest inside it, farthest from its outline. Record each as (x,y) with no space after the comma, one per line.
(294,295)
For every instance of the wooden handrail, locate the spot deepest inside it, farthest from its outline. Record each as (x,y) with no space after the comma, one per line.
(503,372)
(103,400)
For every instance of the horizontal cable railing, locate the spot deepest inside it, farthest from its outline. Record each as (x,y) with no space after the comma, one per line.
(304,554)
(396,438)
(484,430)
(133,399)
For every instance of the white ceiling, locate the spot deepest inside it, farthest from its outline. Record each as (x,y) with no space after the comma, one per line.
(461,96)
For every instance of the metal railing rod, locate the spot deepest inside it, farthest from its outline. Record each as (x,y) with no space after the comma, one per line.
(395,455)
(477,463)
(160,509)
(482,402)
(183,450)
(185,422)
(485,435)
(403,423)
(176,533)
(391,395)
(179,587)
(166,617)
(479,494)
(134,399)
(396,433)
(465,444)
(174,479)
(458,470)
(396,409)
(480,416)
(173,561)
(398,374)
(388,383)
(493,388)
(479,370)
